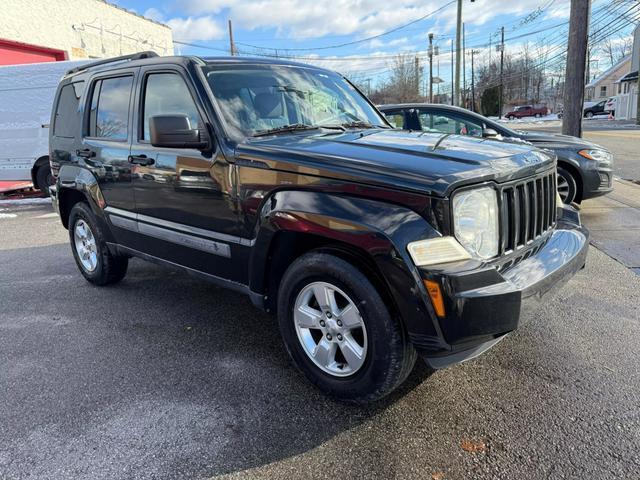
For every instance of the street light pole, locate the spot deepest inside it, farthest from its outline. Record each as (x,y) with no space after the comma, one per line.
(501,71)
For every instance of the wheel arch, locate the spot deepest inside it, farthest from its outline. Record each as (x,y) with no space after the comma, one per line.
(75,184)
(370,234)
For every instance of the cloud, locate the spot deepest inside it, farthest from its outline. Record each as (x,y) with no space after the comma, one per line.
(192,29)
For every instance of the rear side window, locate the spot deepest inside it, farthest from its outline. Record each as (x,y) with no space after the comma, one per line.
(67,120)
(109,114)
(395,118)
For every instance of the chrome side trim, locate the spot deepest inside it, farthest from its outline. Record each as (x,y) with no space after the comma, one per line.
(186,240)
(181,227)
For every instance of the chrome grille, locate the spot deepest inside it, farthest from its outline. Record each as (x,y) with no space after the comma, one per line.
(527,211)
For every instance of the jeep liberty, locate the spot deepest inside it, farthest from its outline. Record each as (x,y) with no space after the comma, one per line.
(372,245)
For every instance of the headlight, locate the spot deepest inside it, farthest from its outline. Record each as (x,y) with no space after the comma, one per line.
(475,221)
(598,155)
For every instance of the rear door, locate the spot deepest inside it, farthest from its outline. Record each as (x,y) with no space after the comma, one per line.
(107,134)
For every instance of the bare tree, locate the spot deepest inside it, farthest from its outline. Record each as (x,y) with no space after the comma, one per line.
(404,82)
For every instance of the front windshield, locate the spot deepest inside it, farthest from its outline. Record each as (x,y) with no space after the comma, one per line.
(259,98)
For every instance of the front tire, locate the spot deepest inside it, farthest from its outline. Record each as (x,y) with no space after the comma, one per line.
(339,332)
(567,186)
(90,251)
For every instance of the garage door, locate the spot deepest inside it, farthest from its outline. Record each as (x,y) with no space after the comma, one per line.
(13,53)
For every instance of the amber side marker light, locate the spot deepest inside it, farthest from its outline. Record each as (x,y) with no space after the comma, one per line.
(437,300)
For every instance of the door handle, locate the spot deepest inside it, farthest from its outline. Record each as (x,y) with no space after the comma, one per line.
(86,153)
(141,160)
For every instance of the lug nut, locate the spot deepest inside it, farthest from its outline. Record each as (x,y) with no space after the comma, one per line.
(329,337)
(322,324)
(328,314)
(339,337)
(339,322)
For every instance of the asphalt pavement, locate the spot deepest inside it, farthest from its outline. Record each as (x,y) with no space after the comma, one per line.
(163,376)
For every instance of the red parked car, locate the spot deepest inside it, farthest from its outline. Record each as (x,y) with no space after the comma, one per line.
(526,111)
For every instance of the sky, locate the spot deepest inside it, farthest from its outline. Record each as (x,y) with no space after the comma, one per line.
(361,37)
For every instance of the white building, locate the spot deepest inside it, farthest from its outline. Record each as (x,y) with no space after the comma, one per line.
(627,99)
(33,31)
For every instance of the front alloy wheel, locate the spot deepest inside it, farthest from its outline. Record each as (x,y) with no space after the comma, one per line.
(567,186)
(338,330)
(330,329)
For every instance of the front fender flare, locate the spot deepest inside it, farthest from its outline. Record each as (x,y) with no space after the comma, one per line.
(379,229)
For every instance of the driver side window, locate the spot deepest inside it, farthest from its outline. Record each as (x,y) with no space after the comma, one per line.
(442,122)
(167,94)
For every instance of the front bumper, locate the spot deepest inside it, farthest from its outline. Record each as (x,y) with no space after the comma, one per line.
(484,302)
(597,181)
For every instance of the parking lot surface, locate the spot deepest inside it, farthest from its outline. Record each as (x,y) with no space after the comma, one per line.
(163,376)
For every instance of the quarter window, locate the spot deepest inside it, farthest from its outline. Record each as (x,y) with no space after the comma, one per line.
(109,114)
(66,122)
(167,94)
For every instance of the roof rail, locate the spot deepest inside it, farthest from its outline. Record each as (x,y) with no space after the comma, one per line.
(133,56)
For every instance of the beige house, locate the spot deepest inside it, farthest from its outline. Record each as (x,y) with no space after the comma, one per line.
(38,31)
(627,98)
(604,86)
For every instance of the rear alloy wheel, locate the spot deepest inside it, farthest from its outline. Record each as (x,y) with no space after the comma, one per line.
(567,186)
(511,117)
(90,250)
(588,115)
(538,115)
(339,332)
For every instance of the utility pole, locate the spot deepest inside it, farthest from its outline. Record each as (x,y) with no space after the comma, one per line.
(456,100)
(431,68)
(576,66)
(501,71)
(453,95)
(464,73)
(473,89)
(417,77)
(638,104)
(232,45)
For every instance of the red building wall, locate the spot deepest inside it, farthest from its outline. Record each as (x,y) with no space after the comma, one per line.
(13,53)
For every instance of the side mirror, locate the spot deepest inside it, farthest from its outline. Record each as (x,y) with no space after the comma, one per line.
(174,131)
(490,133)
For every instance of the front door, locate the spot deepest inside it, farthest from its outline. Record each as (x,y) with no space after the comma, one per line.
(184,203)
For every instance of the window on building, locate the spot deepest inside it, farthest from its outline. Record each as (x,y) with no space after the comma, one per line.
(66,122)
(167,94)
(603,91)
(109,114)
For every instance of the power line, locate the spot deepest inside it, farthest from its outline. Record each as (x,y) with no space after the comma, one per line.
(345,44)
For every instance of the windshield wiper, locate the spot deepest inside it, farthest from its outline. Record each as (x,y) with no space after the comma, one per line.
(285,128)
(360,124)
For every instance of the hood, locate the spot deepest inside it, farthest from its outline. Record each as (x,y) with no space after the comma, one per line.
(425,162)
(555,140)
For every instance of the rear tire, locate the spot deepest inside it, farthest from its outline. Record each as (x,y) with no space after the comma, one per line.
(44,178)
(588,115)
(90,251)
(511,117)
(386,356)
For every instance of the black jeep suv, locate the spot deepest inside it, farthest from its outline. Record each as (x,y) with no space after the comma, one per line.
(282,181)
